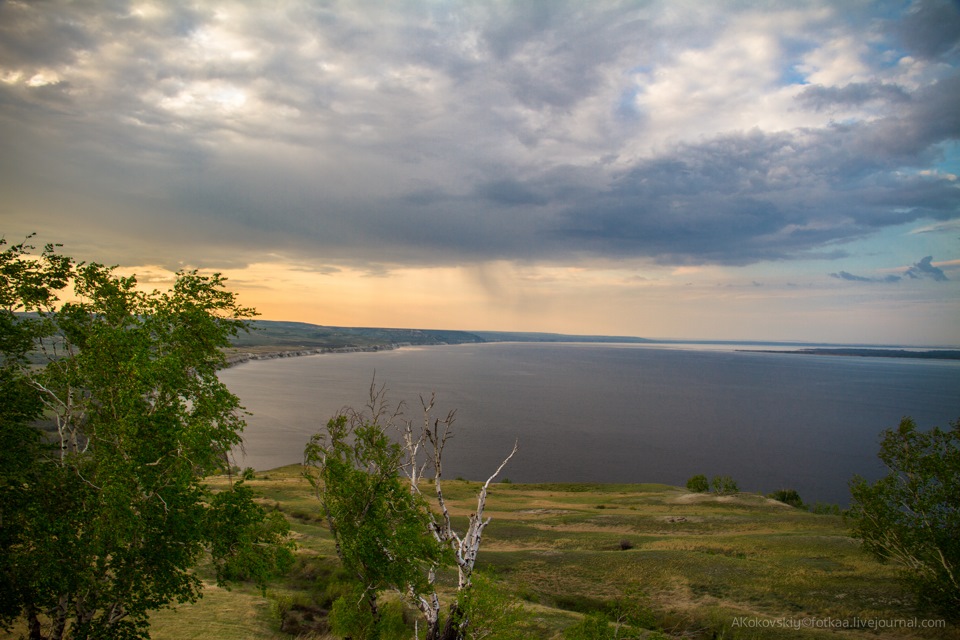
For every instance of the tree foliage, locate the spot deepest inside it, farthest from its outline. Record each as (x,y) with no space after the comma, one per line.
(105,514)
(347,620)
(788,496)
(724,485)
(493,614)
(385,531)
(698,484)
(912,515)
(379,525)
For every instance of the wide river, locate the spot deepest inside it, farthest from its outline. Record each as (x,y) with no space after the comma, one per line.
(616,413)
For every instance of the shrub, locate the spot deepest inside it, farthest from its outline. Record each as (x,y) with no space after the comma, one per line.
(698,484)
(493,613)
(629,614)
(912,515)
(348,620)
(593,626)
(788,496)
(391,625)
(296,614)
(724,485)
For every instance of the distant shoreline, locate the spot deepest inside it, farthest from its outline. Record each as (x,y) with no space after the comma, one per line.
(269,340)
(237,356)
(935,354)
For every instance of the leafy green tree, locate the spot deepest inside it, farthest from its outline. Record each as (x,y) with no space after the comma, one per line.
(912,515)
(245,542)
(698,484)
(104,518)
(381,527)
(385,532)
(724,485)
(25,286)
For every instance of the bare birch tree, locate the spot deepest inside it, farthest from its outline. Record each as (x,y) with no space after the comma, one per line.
(419,450)
(434,434)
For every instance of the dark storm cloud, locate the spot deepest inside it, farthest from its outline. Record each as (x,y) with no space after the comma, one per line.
(509,192)
(932,28)
(822,98)
(45,38)
(550,51)
(748,197)
(459,131)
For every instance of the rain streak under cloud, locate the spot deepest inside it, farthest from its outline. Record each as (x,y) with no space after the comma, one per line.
(606,167)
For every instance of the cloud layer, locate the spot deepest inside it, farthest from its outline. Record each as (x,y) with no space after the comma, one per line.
(452,132)
(925,269)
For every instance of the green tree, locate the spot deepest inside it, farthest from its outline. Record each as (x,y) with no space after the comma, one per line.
(25,286)
(381,527)
(385,532)
(724,485)
(698,484)
(104,518)
(912,515)
(245,542)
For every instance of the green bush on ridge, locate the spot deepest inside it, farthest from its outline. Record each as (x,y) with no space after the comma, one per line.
(724,485)
(912,515)
(788,496)
(698,484)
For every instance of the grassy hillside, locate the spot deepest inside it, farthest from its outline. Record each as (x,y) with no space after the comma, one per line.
(693,565)
(300,335)
(275,337)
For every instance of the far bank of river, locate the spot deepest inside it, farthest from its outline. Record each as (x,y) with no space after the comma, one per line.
(237,356)
(240,356)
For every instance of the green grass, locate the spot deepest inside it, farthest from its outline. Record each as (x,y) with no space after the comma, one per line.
(239,613)
(697,561)
(696,564)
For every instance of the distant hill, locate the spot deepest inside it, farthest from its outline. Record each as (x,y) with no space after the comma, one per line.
(294,335)
(526,336)
(934,354)
(301,335)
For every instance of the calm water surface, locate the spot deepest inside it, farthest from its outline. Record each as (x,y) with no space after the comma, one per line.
(616,413)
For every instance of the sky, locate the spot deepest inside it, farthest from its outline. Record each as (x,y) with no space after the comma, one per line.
(698,170)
